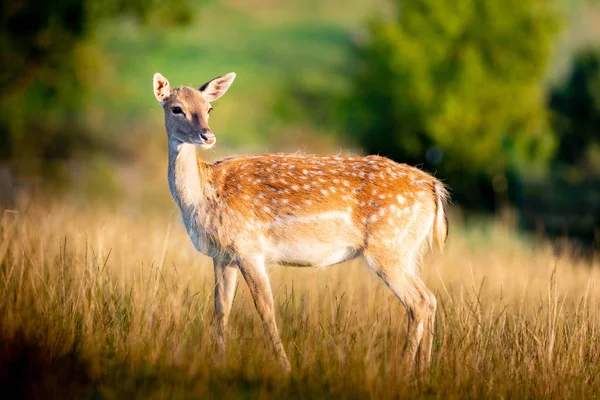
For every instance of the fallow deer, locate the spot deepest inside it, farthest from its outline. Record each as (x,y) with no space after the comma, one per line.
(300,210)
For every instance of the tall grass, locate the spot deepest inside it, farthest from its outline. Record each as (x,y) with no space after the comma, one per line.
(117,303)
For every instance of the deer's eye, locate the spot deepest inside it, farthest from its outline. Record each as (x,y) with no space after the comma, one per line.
(176,110)
(210,109)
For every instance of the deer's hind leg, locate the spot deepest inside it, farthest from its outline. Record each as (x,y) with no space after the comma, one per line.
(399,271)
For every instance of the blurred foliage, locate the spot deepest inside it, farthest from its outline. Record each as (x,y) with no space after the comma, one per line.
(576,111)
(458,87)
(567,202)
(48,60)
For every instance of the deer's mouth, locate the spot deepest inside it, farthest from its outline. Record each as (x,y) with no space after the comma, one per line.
(206,146)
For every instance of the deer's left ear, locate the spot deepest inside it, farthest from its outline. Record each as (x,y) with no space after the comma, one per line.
(216,88)
(161,87)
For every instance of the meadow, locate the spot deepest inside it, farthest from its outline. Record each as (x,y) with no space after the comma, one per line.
(102,294)
(109,302)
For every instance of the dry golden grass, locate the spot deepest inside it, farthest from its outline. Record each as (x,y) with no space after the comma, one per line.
(118,303)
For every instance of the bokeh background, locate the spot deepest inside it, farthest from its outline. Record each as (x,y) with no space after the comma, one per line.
(500,100)
(102,294)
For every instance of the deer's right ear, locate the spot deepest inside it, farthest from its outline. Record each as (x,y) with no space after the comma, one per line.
(162,89)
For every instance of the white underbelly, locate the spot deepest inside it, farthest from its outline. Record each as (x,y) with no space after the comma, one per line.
(316,241)
(309,253)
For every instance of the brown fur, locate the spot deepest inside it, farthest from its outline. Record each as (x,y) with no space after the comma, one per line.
(304,210)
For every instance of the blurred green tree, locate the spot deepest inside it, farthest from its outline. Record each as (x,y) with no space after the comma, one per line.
(457,87)
(47,60)
(576,111)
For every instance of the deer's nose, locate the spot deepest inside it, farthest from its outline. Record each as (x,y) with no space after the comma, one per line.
(207,136)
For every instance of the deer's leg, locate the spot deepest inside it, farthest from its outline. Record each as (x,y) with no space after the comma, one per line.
(427,341)
(255,274)
(225,280)
(399,274)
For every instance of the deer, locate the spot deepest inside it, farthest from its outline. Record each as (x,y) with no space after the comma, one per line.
(302,210)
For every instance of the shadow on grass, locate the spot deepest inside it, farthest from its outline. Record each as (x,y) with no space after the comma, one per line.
(29,370)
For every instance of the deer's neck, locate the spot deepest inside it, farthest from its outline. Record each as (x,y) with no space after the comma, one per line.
(189,177)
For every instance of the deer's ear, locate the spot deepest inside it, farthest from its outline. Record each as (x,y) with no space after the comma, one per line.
(216,88)
(162,89)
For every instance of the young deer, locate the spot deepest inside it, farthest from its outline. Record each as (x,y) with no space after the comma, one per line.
(300,210)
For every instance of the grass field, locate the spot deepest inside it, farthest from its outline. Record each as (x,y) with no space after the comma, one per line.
(110,300)
(115,303)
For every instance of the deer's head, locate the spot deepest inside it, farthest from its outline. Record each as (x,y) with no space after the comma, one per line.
(187,109)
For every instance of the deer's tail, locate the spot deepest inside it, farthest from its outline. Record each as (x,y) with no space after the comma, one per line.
(440,223)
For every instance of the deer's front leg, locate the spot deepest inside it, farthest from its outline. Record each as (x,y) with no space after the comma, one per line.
(255,274)
(225,280)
